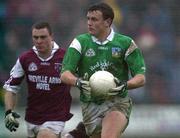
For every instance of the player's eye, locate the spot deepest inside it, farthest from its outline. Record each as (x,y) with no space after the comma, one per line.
(41,36)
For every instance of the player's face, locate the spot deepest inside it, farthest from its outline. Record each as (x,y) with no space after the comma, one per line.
(97,26)
(42,40)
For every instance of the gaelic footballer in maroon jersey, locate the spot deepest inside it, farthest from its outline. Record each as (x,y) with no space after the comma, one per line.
(48,100)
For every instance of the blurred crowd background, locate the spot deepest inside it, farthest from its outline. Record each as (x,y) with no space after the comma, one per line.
(153,24)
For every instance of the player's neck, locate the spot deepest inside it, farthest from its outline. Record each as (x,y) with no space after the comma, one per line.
(46,54)
(103,36)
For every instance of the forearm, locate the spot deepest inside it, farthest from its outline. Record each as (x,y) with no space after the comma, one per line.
(136,82)
(10,100)
(68,78)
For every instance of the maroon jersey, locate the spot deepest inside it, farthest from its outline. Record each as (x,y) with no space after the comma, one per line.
(48,98)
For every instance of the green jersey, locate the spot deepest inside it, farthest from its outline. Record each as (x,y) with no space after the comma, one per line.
(118,54)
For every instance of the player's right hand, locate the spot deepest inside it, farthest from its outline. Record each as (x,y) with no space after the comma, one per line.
(83,84)
(10,120)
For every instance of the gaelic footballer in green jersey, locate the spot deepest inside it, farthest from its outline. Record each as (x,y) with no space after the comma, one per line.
(103,49)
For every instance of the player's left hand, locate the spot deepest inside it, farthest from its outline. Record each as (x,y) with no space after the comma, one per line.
(120,87)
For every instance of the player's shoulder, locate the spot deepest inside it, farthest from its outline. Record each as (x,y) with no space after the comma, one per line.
(27,54)
(124,40)
(122,37)
(60,52)
(83,37)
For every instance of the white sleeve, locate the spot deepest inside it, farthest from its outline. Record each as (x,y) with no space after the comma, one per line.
(16,75)
(75,44)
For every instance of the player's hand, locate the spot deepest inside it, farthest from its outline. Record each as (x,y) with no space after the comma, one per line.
(10,120)
(120,87)
(83,83)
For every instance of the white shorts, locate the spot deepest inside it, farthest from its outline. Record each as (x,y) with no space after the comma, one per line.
(55,126)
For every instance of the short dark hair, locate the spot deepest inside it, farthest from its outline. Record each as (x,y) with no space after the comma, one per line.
(106,10)
(41,25)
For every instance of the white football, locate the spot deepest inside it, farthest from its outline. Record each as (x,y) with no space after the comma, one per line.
(101,82)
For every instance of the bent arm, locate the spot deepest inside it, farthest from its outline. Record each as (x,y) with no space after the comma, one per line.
(136,82)
(68,78)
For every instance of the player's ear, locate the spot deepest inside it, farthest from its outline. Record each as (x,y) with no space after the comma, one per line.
(108,22)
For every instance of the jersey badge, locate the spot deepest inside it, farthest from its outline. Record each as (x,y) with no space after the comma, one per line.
(116,52)
(57,67)
(32,67)
(90,53)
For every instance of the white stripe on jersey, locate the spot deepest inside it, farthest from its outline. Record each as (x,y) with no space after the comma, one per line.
(75,44)
(16,72)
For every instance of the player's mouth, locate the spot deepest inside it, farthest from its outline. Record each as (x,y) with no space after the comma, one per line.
(39,47)
(91,30)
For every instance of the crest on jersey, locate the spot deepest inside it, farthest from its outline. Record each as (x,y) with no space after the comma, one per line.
(57,66)
(90,52)
(32,67)
(116,51)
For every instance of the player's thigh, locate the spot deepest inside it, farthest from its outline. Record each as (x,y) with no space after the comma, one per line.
(113,124)
(47,133)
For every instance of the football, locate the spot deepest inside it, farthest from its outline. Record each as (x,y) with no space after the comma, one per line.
(101,82)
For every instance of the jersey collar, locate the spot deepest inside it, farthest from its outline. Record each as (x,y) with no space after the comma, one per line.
(55,48)
(109,38)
